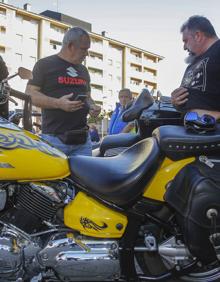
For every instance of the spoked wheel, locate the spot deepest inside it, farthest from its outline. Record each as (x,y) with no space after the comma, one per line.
(152,265)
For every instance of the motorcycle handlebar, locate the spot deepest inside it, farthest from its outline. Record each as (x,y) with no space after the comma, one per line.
(19,95)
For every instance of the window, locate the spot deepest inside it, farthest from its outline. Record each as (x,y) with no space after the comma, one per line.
(33,40)
(19,18)
(136,68)
(118,65)
(18,58)
(27,19)
(150,59)
(2,49)
(55,44)
(119,78)
(2,11)
(96,41)
(110,93)
(57,28)
(33,59)
(32,43)
(110,62)
(96,72)
(2,29)
(135,81)
(19,38)
(150,71)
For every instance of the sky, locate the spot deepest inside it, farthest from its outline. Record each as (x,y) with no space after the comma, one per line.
(151,25)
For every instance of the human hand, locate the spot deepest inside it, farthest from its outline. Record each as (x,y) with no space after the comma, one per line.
(94,110)
(179,96)
(65,104)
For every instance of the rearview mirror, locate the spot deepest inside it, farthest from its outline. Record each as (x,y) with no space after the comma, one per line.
(24,73)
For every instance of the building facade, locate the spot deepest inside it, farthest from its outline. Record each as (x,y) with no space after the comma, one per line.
(26,37)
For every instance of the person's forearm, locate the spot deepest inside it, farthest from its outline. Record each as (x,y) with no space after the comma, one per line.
(42,101)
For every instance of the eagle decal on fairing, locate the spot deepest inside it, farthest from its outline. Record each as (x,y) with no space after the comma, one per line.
(89,224)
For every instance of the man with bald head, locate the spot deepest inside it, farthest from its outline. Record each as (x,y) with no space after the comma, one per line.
(61,87)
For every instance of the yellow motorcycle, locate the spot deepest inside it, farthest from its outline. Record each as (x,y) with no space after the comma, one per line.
(100,219)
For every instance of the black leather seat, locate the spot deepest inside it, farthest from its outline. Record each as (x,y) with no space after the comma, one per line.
(177,143)
(119,179)
(118,140)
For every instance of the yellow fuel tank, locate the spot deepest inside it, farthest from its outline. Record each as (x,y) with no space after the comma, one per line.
(24,156)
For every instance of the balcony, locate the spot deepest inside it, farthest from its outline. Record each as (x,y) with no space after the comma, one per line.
(135,59)
(4,40)
(94,62)
(96,78)
(149,77)
(55,35)
(96,94)
(136,74)
(3,14)
(29,27)
(136,87)
(115,54)
(150,64)
(96,47)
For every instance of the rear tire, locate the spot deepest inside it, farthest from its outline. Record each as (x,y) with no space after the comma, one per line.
(151,264)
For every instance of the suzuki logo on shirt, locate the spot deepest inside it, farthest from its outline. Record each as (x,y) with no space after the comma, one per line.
(71,79)
(72,72)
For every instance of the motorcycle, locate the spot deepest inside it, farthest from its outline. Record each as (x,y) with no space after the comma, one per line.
(6,93)
(102,219)
(148,113)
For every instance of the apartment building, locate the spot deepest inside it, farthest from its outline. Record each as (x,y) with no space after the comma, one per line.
(26,37)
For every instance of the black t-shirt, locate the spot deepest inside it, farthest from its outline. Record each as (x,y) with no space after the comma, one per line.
(202,79)
(56,78)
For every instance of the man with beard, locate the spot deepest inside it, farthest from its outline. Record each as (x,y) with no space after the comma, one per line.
(200,86)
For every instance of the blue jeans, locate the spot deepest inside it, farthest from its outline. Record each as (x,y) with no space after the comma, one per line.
(70,150)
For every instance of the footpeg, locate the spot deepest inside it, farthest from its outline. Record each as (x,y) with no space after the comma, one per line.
(150,243)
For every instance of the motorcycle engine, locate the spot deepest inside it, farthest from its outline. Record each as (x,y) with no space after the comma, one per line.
(78,258)
(18,252)
(33,240)
(64,257)
(40,204)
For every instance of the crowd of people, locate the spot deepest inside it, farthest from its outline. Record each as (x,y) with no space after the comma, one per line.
(61,87)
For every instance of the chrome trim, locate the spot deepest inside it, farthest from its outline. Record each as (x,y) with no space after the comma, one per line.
(15,231)
(77,257)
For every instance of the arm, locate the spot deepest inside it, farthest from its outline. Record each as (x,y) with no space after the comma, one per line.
(45,102)
(94,109)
